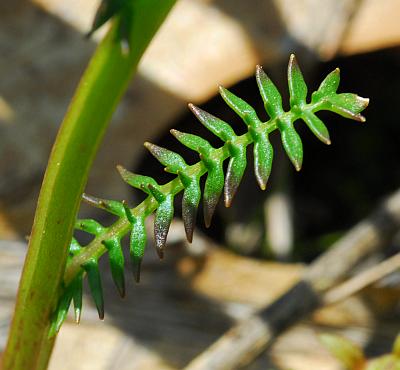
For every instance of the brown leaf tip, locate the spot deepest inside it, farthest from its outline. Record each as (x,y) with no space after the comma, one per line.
(160,253)
(222,90)
(293,62)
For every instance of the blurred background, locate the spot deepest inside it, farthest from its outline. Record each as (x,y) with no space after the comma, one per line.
(257,249)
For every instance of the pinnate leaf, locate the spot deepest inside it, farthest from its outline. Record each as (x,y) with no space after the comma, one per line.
(160,199)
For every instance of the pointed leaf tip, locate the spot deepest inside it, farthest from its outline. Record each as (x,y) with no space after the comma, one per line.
(160,252)
(110,206)
(171,160)
(317,127)
(210,202)
(234,174)
(136,267)
(162,222)
(190,203)
(213,188)
(92,269)
(269,93)
(138,240)
(217,126)
(263,157)
(194,109)
(259,70)
(348,105)
(297,85)
(293,146)
(126,175)
(77,298)
(117,261)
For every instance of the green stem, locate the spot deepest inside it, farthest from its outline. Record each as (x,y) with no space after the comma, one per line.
(96,249)
(99,91)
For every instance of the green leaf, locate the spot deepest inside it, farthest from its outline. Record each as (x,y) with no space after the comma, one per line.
(61,312)
(291,143)
(90,226)
(217,126)
(117,261)
(244,110)
(137,181)
(263,156)
(348,105)
(162,222)
(128,213)
(297,85)
(137,244)
(212,191)
(193,142)
(158,195)
(269,93)
(316,126)
(236,167)
(190,203)
(92,269)
(112,206)
(172,161)
(77,297)
(328,86)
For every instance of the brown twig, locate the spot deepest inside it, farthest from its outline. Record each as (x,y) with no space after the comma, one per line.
(362,280)
(242,343)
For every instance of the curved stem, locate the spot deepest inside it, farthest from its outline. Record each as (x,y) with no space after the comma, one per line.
(99,91)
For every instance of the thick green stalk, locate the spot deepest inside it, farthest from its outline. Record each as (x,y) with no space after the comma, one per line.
(99,91)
